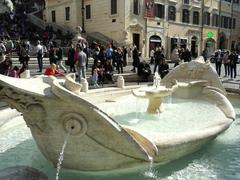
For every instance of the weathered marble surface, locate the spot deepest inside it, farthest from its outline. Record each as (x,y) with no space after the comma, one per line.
(96,141)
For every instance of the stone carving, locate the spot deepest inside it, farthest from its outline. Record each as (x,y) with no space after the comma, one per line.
(28,105)
(74,124)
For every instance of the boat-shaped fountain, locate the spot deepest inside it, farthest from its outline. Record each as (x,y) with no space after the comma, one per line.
(114,128)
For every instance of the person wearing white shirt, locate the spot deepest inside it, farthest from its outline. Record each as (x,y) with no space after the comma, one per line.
(39,53)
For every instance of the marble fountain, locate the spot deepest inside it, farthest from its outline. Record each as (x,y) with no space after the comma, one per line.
(114,128)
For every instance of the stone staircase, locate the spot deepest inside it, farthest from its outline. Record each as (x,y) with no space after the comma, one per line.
(33,65)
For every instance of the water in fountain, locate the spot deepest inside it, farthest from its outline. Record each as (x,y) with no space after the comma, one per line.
(156,80)
(60,159)
(219,160)
(150,172)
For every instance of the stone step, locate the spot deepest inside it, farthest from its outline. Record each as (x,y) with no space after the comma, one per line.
(33,65)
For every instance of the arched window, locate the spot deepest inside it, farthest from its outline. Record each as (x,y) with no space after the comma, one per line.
(172,13)
(195,17)
(185,16)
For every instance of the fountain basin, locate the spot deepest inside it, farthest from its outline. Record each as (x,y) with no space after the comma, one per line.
(98,140)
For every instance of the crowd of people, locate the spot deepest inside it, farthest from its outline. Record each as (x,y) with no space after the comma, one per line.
(107,60)
(229,60)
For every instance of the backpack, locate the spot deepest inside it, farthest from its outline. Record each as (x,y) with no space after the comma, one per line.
(109,53)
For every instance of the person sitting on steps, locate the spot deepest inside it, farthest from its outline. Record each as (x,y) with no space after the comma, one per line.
(144,71)
(51,71)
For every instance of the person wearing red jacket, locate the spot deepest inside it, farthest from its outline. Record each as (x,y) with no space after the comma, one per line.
(51,71)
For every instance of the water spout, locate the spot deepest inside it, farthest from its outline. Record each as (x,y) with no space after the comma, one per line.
(150,173)
(60,159)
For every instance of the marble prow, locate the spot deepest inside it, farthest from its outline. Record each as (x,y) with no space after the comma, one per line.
(130,146)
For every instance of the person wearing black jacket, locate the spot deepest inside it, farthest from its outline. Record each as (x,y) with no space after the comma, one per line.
(71,52)
(186,55)
(158,58)
(163,68)
(233,57)
(144,70)
(136,59)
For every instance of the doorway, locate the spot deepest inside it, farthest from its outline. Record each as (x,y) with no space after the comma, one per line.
(194,47)
(136,40)
(154,42)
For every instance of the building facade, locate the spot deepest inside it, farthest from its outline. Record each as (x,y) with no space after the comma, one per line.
(192,24)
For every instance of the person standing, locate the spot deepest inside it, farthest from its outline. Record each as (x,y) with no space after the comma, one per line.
(59,54)
(218,61)
(204,54)
(52,55)
(109,52)
(39,53)
(233,57)
(2,51)
(152,52)
(186,55)
(119,60)
(81,63)
(158,58)
(226,61)
(24,56)
(124,49)
(136,60)
(71,53)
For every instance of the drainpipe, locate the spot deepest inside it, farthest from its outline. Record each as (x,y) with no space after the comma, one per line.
(83,18)
(219,22)
(146,38)
(231,29)
(202,25)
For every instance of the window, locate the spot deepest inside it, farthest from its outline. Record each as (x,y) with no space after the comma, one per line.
(234,23)
(136,9)
(172,13)
(159,10)
(53,16)
(215,20)
(113,6)
(226,22)
(206,18)
(229,23)
(67,13)
(88,11)
(222,21)
(195,17)
(185,1)
(185,16)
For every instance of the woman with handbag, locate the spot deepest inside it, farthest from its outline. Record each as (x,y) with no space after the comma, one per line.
(24,56)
